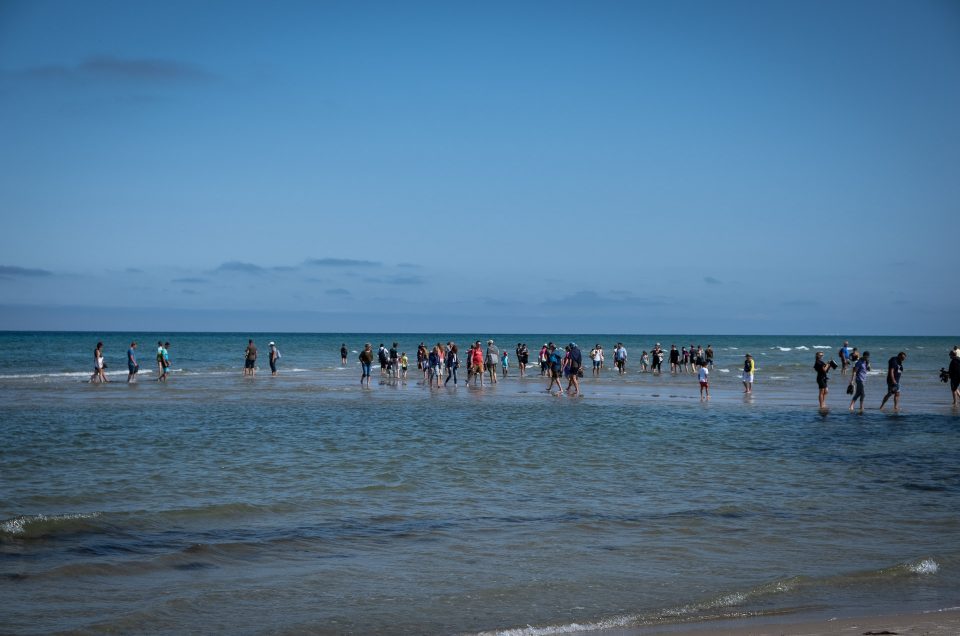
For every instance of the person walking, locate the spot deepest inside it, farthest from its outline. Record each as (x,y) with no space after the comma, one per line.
(476,362)
(574,365)
(165,352)
(366,362)
(620,358)
(98,365)
(434,359)
(859,378)
(452,362)
(596,356)
(555,364)
(132,366)
(894,371)
(493,359)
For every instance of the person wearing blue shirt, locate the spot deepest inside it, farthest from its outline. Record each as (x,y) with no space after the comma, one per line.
(132,366)
(859,376)
(844,354)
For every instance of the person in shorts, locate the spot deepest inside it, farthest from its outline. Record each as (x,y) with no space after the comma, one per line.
(703,378)
(748,368)
(573,366)
(476,361)
(132,366)
(250,359)
(894,371)
(822,368)
(555,366)
(597,357)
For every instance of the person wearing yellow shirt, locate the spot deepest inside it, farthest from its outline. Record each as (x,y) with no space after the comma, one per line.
(748,367)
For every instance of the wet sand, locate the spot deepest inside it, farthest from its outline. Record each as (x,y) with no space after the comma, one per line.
(933,623)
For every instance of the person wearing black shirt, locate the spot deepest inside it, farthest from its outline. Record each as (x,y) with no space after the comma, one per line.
(894,371)
(573,368)
(822,368)
(954,372)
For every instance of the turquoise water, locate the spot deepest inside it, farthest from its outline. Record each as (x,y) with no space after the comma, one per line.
(219,503)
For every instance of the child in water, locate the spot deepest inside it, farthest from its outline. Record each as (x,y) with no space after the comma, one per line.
(504,362)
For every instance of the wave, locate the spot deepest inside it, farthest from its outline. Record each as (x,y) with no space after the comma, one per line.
(36,526)
(784,349)
(802,348)
(822,347)
(722,606)
(66,374)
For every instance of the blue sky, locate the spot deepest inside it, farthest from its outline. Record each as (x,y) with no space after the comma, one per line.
(635,167)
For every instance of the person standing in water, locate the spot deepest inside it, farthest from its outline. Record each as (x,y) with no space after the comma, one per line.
(574,365)
(452,361)
(250,359)
(493,359)
(166,362)
(274,356)
(702,376)
(343,354)
(98,365)
(161,371)
(555,364)
(132,366)
(894,371)
(366,361)
(748,369)
(844,354)
(822,368)
(859,377)
(953,372)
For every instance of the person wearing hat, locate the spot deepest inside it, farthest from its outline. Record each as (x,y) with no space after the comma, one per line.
(748,367)
(274,356)
(493,359)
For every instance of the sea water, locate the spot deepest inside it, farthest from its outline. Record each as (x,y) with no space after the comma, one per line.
(299,503)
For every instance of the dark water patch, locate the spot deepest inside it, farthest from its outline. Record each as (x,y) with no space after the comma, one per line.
(925,487)
(194,565)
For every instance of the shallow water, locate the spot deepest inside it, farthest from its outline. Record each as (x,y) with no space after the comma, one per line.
(304,503)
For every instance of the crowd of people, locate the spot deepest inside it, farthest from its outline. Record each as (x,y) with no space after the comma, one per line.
(440,363)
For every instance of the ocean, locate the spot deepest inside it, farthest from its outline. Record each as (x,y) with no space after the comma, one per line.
(303,503)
